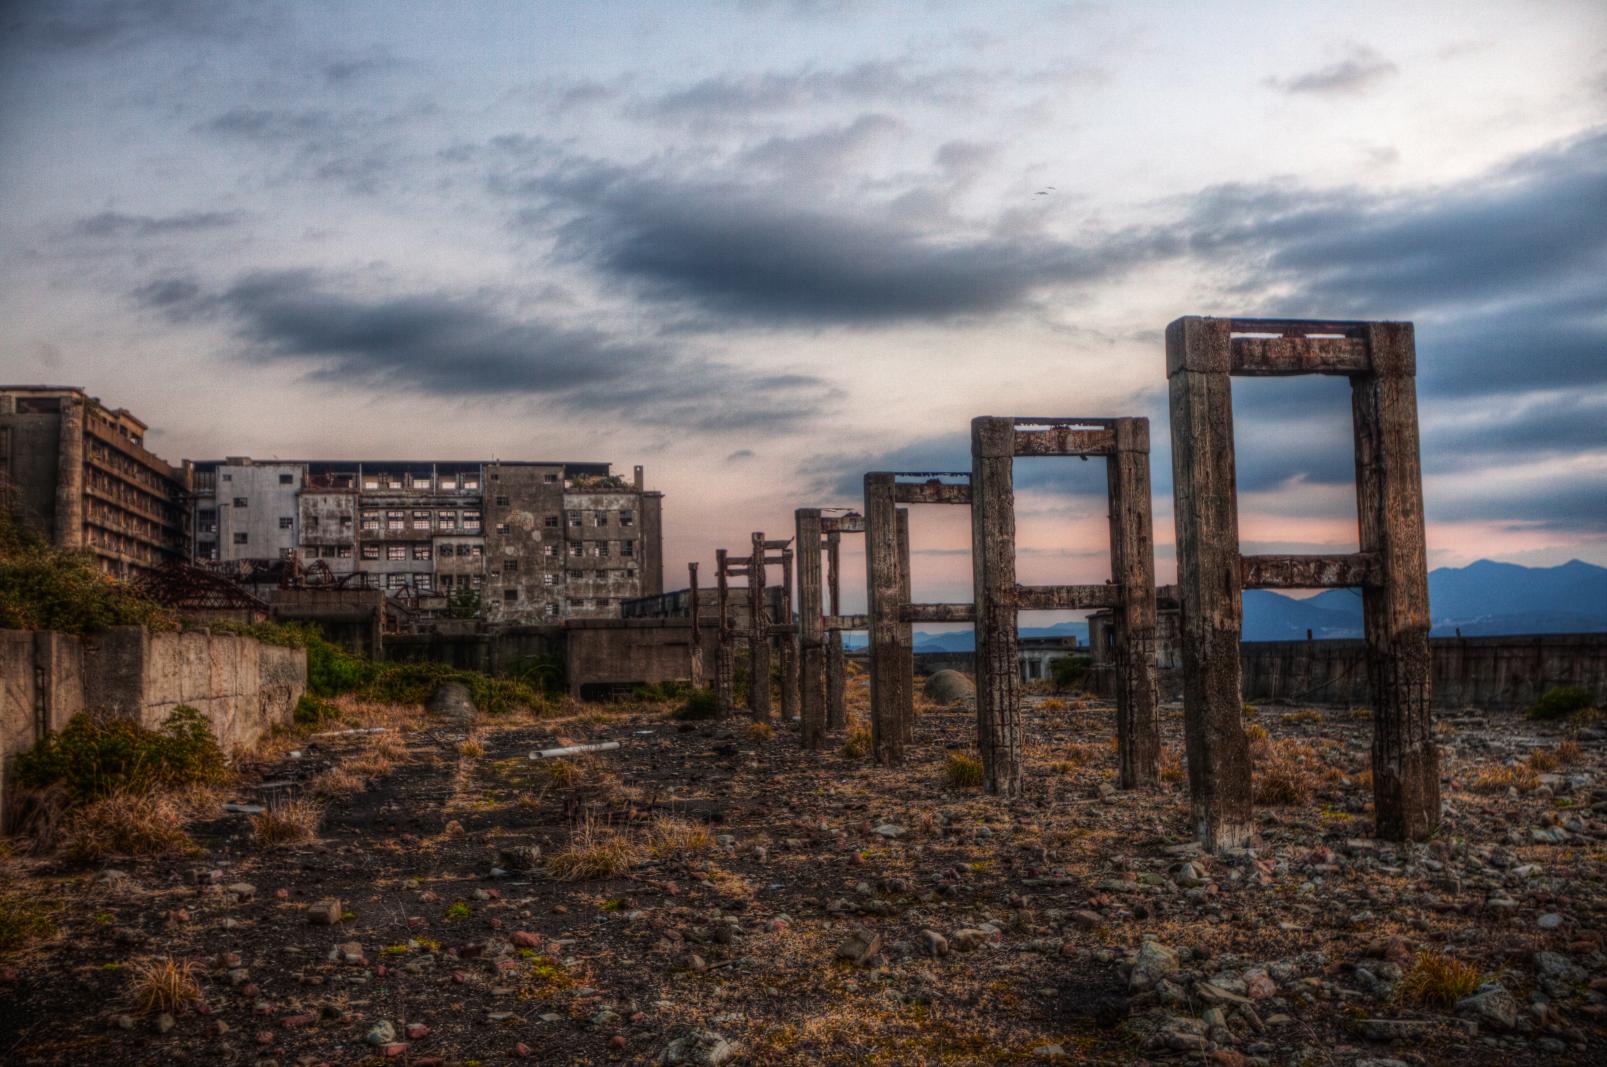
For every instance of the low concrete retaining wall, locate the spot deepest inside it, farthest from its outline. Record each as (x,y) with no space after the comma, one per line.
(241,685)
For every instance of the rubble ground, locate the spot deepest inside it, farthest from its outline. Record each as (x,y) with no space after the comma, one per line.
(709,893)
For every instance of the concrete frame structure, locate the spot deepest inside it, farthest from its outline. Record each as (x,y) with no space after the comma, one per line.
(821,678)
(1124,442)
(888,604)
(1391,567)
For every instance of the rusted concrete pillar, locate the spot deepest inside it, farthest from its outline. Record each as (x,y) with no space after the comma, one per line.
(993,563)
(695,655)
(836,667)
(725,653)
(1389,505)
(758,635)
(69,517)
(882,585)
(788,643)
(906,636)
(1205,504)
(811,632)
(1133,570)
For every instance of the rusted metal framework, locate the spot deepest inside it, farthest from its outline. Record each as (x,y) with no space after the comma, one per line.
(186,587)
(1124,442)
(1379,358)
(891,612)
(820,626)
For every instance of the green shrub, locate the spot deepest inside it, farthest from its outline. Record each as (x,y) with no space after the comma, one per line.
(93,757)
(963,770)
(662,692)
(22,920)
(699,704)
(412,683)
(1068,672)
(1561,702)
(311,710)
(46,588)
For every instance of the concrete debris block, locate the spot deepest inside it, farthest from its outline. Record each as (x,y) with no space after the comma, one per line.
(1491,1004)
(452,701)
(700,1048)
(324,912)
(949,688)
(1155,961)
(861,947)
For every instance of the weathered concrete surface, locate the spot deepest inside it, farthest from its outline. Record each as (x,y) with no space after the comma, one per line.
(604,656)
(241,685)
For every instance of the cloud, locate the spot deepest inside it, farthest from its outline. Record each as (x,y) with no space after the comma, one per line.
(731,97)
(446,346)
(73,25)
(1359,71)
(740,454)
(117,224)
(824,152)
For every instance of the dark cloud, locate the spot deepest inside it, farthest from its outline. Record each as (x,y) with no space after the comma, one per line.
(274,124)
(344,70)
(1562,503)
(747,255)
(1360,70)
(824,152)
(117,224)
(72,25)
(734,97)
(740,454)
(461,347)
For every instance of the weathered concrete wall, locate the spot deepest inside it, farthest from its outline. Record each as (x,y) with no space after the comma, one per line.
(501,651)
(243,687)
(610,654)
(1479,672)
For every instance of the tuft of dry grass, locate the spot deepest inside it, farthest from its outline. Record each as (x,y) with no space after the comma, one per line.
(1296,718)
(758,731)
(1518,776)
(593,851)
(289,822)
(337,781)
(379,756)
(572,772)
(163,984)
(1569,753)
(1436,980)
(126,824)
(471,747)
(1255,732)
(670,836)
(1052,704)
(962,770)
(1543,760)
(857,744)
(1283,772)
(1173,769)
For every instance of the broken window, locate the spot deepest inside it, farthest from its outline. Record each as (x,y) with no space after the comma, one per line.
(477,580)
(627,517)
(550,578)
(550,522)
(551,609)
(550,548)
(345,524)
(599,518)
(423,581)
(574,520)
(576,576)
(206,522)
(446,581)
(371,552)
(395,520)
(286,522)
(630,572)
(241,539)
(627,548)
(510,596)
(502,501)
(395,551)
(549,478)
(510,566)
(287,479)
(502,528)
(471,521)
(476,551)
(421,551)
(343,552)
(602,549)
(396,581)
(370,520)
(421,520)
(241,502)
(447,520)
(575,548)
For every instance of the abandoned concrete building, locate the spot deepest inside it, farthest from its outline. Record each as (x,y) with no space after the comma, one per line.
(529,541)
(77,472)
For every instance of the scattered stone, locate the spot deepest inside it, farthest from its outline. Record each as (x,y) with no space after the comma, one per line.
(1155,961)
(324,912)
(381,1033)
(700,1048)
(453,702)
(1492,1004)
(934,943)
(861,947)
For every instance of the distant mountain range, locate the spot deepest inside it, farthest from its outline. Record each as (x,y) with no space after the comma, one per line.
(1480,600)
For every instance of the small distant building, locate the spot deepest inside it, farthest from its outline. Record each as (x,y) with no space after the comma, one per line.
(1035,654)
(78,473)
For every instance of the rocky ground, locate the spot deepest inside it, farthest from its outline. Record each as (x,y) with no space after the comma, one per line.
(708,893)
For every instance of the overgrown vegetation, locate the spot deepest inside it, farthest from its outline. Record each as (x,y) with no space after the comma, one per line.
(963,770)
(594,851)
(163,984)
(23,920)
(1068,672)
(43,587)
(96,756)
(1561,702)
(315,711)
(857,744)
(290,822)
(126,823)
(699,704)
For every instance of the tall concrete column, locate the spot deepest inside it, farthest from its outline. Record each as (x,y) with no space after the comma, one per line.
(69,524)
(811,632)
(1133,619)
(993,564)
(836,665)
(788,644)
(758,635)
(882,586)
(725,652)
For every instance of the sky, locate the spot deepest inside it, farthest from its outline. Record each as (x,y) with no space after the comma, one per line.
(764,247)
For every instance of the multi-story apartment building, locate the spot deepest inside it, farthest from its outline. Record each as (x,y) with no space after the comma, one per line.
(535,541)
(78,473)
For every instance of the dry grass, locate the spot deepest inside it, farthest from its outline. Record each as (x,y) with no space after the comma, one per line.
(962,770)
(669,837)
(572,772)
(1569,753)
(1546,760)
(290,822)
(1296,718)
(594,851)
(1518,776)
(163,984)
(1173,769)
(758,731)
(857,744)
(1436,980)
(1283,772)
(379,756)
(1543,760)
(337,781)
(1255,732)
(471,747)
(127,824)
(1052,704)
